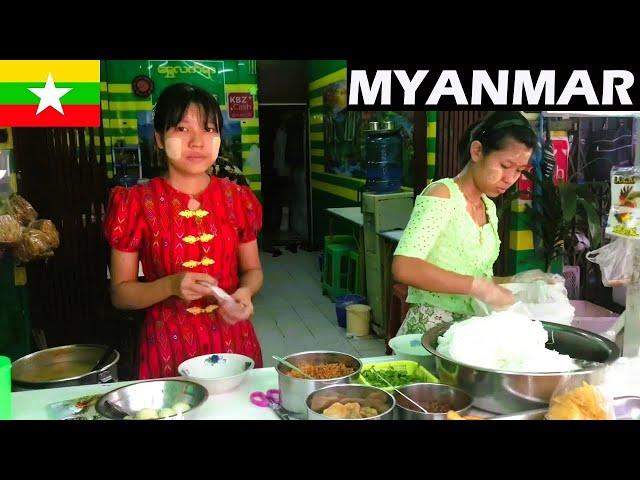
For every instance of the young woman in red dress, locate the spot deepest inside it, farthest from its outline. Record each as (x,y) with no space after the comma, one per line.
(186,227)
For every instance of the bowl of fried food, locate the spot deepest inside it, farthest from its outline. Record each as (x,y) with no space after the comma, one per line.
(350,402)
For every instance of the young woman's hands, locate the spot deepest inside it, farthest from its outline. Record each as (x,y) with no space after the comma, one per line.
(185,285)
(488,292)
(238,310)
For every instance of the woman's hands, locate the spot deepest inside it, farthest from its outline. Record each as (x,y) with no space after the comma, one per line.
(238,310)
(490,293)
(185,285)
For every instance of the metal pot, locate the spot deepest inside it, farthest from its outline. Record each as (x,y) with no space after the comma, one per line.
(366,395)
(65,366)
(294,391)
(153,394)
(423,393)
(510,392)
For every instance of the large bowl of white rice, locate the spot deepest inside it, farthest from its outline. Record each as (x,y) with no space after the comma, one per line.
(509,363)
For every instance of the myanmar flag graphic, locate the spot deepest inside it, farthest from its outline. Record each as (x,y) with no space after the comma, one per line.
(50,93)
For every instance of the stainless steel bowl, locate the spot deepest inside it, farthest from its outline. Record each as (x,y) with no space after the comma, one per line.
(294,391)
(64,366)
(365,395)
(423,393)
(152,394)
(511,392)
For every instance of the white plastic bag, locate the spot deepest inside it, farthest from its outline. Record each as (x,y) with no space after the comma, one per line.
(538,300)
(615,260)
(530,276)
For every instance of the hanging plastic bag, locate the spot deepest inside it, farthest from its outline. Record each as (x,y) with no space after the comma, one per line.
(624,222)
(9,229)
(49,229)
(21,210)
(615,260)
(625,187)
(583,398)
(624,216)
(32,245)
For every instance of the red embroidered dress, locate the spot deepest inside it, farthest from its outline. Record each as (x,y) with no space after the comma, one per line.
(154,220)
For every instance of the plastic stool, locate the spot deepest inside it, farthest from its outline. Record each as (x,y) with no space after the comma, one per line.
(397,311)
(330,286)
(353,272)
(335,278)
(339,239)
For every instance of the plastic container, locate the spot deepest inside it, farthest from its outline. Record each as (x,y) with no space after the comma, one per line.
(409,347)
(343,302)
(592,317)
(358,320)
(413,369)
(5,388)
(383,154)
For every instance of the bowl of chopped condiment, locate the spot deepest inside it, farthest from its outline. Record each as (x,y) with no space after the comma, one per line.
(435,398)
(394,374)
(325,367)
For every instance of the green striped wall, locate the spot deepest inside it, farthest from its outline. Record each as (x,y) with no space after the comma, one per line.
(120,106)
(432,118)
(328,190)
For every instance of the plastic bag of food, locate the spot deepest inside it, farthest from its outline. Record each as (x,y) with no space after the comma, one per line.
(49,229)
(9,229)
(625,187)
(537,275)
(615,260)
(545,300)
(582,398)
(21,210)
(32,245)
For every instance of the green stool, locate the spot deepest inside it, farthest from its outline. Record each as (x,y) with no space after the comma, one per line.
(336,266)
(339,239)
(353,272)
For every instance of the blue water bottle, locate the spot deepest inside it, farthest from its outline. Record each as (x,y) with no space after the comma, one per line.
(383,154)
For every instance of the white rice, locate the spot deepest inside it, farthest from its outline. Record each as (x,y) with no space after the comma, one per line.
(503,341)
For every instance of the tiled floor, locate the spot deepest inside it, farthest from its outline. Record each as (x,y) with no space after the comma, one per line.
(292,315)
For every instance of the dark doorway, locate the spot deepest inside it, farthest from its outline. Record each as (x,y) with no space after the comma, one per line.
(285,176)
(283,88)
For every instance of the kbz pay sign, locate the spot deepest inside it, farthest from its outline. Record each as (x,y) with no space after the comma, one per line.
(240,105)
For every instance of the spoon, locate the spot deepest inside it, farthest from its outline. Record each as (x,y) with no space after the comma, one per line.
(385,381)
(291,366)
(103,360)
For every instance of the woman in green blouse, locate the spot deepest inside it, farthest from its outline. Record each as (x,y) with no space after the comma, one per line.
(448,249)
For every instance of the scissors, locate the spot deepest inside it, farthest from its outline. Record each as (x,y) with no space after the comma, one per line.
(270,398)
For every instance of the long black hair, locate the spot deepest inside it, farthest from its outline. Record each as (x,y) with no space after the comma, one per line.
(494,131)
(174,101)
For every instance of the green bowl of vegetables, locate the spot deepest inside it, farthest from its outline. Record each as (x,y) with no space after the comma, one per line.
(398,373)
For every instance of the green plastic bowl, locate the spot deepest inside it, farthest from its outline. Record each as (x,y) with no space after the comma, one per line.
(420,374)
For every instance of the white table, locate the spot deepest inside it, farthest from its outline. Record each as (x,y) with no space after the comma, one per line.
(351,214)
(234,405)
(393,235)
